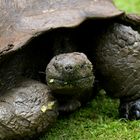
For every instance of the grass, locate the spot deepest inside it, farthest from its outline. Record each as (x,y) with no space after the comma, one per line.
(130,6)
(99,120)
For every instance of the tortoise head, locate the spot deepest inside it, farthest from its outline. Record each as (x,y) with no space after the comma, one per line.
(69,72)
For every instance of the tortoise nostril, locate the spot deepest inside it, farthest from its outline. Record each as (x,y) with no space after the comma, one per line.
(68,68)
(82,66)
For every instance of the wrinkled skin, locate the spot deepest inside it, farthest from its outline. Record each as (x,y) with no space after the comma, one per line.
(70,77)
(26,110)
(118,63)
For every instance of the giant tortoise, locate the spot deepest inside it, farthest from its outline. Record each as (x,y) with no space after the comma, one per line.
(31,33)
(47,49)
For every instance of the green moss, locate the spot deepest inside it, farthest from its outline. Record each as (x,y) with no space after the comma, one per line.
(98,120)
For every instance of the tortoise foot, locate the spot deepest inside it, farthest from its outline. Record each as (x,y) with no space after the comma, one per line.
(130,110)
(69,106)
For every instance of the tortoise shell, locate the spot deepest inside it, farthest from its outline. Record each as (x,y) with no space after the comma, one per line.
(21,20)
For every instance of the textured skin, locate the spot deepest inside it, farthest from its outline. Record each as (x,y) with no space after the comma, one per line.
(118,62)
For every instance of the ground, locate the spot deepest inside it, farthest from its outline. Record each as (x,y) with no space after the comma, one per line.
(99,119)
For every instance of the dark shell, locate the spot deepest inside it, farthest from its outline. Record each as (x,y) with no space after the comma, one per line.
(21,20)
(133,19)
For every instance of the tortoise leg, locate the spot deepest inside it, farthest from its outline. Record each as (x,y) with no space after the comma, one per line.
(26,110)
(69,106)
(130,110)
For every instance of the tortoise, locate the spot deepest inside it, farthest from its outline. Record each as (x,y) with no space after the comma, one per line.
(47,53)
(31,33)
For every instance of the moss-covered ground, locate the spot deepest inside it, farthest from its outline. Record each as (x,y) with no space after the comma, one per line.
(99,119)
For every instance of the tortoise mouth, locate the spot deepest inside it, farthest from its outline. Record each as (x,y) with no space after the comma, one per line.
(70,83)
